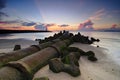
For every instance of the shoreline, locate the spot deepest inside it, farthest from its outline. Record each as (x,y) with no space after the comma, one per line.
(103,69)
(7,45)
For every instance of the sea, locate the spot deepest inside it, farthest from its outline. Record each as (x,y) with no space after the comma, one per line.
(108,40)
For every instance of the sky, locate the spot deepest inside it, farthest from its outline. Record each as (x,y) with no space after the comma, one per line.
(59,14)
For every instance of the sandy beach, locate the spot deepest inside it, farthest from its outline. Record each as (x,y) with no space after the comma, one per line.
(104,69)
(7,45)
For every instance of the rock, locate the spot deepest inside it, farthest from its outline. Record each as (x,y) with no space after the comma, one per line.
(61,35)
(82,53)
(2,54)
(82,39)
(70,59)
(79,34)
(98,40)
(72,70)
(56,65)
(37,39)
(64,53)
(93,39)
(73,49)
(42,78)
(70,34)
(76,51)
(90,53)
(92,58)
(17,47)
(97,45)
(77,55)
(76,38)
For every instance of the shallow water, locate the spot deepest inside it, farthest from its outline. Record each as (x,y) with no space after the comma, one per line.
(108,40)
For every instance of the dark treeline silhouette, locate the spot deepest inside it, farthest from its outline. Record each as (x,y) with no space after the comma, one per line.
(20,31)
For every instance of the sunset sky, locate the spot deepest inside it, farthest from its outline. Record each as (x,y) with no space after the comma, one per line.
(59,14)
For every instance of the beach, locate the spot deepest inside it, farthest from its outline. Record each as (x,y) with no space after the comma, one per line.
(104,69)
(7,45)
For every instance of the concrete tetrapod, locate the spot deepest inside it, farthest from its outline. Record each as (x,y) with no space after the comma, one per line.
(25,68)
(17,47)
(56,65)
(16,55)
(72,58)
(42,78)
(68,64)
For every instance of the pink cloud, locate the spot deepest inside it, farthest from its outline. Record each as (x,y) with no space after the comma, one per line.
(114,26)
(98,15)
(87,25)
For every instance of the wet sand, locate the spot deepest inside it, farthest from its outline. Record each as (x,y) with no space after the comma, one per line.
(7,45)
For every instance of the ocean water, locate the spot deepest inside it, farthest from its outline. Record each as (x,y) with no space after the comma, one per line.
(108,40)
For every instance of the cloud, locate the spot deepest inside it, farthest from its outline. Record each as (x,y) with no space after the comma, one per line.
(14,21)
(11,22)
(55,27)
(37,26)
(64,25)
(40,27)
(44,26)
(114,26)
(2,22)
(98,15)
(116,11)
(18,21)
(87,25)
(49,25)
(3,14)
(17,27)
(22,25)
(28,23)
(2,5)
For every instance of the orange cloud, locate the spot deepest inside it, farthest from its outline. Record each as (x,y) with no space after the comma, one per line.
(27,28)
(12,25)
(55,27)
(18,28)
(15,26)
(51,27)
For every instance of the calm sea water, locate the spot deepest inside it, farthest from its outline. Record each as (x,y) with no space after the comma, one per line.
(109,40)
